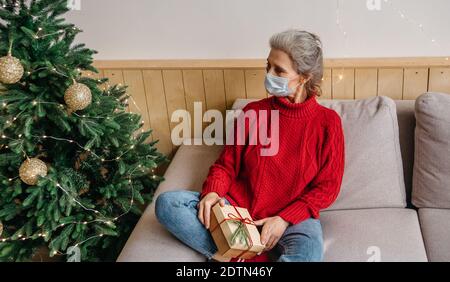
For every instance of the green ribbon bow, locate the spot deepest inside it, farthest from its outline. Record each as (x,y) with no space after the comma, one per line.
(240,234)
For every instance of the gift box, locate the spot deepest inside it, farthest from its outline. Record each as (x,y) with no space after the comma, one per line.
(234,232)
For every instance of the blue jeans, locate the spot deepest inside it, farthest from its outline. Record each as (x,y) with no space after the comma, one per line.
(177,211)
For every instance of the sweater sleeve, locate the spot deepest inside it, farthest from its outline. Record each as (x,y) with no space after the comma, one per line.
(226,168)
(325,186)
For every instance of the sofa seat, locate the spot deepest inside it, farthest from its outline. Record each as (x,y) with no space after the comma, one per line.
(383,234)
(347,233)
(149,240)
(435,224)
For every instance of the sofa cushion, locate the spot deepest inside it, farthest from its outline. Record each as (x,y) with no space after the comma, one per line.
(435,224)
(431,181)
(385,235)
(373,173)
(348,234)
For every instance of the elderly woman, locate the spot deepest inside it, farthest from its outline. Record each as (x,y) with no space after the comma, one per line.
(284,193)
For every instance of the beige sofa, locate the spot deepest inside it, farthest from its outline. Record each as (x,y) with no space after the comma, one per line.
(372,219)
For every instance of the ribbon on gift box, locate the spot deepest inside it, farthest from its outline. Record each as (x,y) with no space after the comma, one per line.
(241,231)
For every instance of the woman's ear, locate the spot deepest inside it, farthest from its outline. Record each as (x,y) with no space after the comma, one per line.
(305,79)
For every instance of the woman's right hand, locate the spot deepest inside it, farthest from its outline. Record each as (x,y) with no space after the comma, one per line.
(205,205)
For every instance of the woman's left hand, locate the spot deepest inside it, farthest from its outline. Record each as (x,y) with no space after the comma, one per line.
(273,229)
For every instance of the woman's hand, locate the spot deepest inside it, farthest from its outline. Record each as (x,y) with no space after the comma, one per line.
(204,207)
(273,229)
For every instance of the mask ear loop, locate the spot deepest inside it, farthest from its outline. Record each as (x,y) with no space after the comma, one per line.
(301,83)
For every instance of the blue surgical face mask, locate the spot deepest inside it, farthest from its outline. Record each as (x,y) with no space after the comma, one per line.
(278,86)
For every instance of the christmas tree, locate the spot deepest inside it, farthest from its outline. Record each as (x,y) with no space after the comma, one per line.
(76,168)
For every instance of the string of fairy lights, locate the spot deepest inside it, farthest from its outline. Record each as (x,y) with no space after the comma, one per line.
(73,198)
(108,221)
(38,35)
(403,15)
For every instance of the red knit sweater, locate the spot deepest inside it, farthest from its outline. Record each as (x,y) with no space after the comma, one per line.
(305,175)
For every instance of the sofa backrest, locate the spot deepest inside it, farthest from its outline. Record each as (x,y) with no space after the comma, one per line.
(406,126)
(431,182)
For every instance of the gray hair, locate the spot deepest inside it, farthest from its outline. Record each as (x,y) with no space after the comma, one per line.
(305,50)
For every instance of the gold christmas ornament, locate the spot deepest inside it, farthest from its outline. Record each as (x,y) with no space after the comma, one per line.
(31,169)
(78,97)
(1,228)
(11,70)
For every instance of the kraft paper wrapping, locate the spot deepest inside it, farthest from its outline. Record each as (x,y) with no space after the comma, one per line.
(223,234)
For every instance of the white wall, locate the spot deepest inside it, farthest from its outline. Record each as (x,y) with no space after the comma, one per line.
(215,29)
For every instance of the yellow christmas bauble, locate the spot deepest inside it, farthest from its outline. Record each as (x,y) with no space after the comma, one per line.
(11,70)
(78,97)
(1,228)
(31,169)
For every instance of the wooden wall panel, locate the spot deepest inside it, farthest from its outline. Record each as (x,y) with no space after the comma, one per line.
(160,88)
(440,80)
(390,83)
(137,101)
(366,83)
(174,89)
(115,76)
(215,90)
(234,86)
(157,108)
(194,91)
(254,84)
(326,85)
(416,83)
(343,82)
